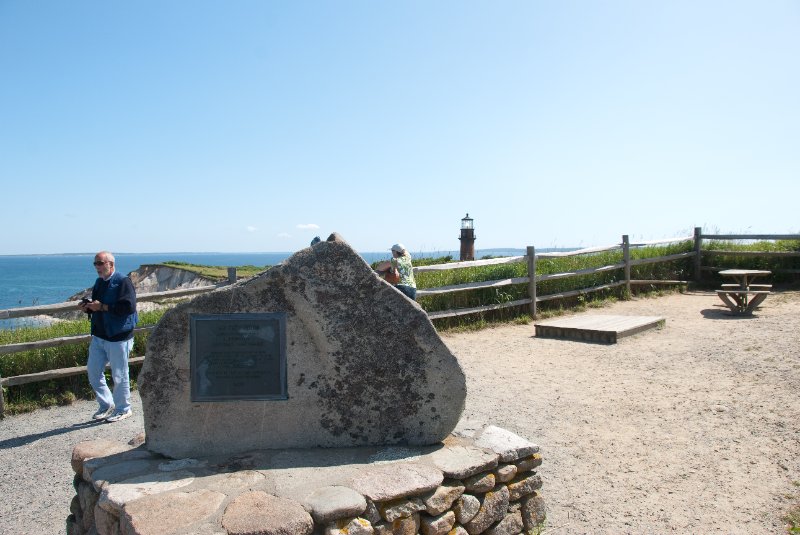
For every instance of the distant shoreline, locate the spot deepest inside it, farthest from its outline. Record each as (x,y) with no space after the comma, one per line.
(506,251)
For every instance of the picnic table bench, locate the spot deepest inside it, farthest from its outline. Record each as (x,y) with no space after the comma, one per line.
(742,297)
(751,287)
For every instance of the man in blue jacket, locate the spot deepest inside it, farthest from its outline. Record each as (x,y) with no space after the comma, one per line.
(113,315)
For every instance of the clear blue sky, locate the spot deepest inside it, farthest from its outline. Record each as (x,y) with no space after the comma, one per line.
(249,126)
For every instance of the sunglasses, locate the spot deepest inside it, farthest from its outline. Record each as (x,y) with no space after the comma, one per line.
(100,263)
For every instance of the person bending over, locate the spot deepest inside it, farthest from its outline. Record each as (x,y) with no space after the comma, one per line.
(401,261)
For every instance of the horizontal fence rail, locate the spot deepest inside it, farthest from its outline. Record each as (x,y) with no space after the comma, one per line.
(56,342)
(750,236)
(578,273)
(531,280)
(72,306)
(471,263)
(473,286)
(467,311)
(581,291)
(57,374)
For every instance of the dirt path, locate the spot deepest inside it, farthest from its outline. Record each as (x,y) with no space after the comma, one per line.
(693,428)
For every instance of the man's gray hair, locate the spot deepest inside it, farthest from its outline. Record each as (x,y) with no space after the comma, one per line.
(108,255)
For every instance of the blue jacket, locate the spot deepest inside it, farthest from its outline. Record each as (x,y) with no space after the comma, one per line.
(118,293)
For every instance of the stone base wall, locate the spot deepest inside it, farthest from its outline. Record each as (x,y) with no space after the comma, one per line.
(487,484)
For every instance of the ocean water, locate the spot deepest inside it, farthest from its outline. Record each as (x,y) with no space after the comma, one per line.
(32,280)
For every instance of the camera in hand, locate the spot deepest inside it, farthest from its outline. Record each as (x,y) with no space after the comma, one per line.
(86,301)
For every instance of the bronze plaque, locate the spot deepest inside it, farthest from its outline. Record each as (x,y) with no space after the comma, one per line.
(238,356)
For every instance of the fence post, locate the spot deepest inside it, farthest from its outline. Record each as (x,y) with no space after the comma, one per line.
(231,275)
(697,258)
(531,252)
(2,402)
(626,258)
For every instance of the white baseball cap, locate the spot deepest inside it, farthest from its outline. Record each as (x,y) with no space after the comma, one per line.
(398,247)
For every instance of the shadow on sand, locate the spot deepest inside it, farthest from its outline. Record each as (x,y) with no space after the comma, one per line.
(27,439)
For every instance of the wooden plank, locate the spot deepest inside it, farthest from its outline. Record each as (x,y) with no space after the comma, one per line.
(465,311)
(745,273)
(588,250)
(472,286)
(774,254)
(55,374)
(471,263)
(582,291)
(588,271)
(757,300)
(531,253)
(626,260)
(659,259)
(56,342)
(755,286)
(71,306)
(774,271)
(728,302)
(658,242)
(743,292)
(657,281)
(698,255)
(181,292)
(738,302)
(597,328)
(751,236)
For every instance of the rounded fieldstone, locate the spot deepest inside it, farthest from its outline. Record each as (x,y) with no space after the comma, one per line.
(388,482)
(533,511)
(335,502)
(169,512)
(260,513)
(466,507)
(493,508)
(89,449)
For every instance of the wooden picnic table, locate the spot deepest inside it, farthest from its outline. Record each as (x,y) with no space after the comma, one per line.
(743,296)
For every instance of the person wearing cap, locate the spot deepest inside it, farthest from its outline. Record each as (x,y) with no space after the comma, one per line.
(401,261)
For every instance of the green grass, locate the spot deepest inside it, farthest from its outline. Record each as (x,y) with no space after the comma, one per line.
(24,398)
(793,520)
(217,273)
(751,262)
(792,517)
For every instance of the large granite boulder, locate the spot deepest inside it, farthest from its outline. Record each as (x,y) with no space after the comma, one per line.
(364,365)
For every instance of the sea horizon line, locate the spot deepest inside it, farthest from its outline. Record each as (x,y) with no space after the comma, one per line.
(261,252)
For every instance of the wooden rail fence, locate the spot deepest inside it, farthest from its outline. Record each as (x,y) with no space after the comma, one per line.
(531,280)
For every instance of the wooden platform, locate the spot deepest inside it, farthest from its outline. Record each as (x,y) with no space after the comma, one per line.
(602,329)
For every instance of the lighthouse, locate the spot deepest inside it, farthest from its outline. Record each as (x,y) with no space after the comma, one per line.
(467,238)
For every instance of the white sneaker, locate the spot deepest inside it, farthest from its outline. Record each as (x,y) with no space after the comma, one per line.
(119,415)
(102,414)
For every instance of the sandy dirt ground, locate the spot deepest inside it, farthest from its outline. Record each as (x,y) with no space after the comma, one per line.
(691,428)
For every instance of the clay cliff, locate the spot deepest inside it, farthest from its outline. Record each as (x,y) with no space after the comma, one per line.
(159,278)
